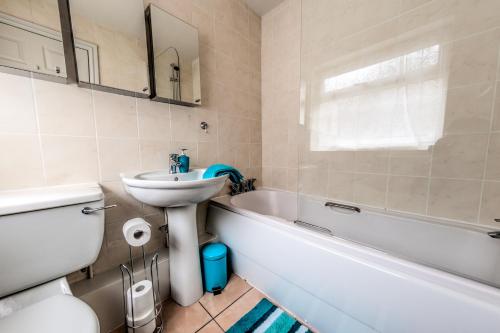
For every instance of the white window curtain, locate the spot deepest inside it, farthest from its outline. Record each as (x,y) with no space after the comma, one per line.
(395,103)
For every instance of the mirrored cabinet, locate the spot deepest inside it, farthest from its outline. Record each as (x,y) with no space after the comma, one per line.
(144,51)
(174,61)
(30,37)
(110,49)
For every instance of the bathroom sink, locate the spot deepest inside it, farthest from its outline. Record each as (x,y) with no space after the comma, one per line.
(179,194)
(162,189)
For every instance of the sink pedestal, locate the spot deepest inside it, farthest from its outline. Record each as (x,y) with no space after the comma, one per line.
(179,193)
(184,255)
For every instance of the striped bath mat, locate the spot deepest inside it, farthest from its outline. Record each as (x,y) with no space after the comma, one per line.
(266,317)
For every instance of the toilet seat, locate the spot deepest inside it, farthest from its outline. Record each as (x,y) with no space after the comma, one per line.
(56,314)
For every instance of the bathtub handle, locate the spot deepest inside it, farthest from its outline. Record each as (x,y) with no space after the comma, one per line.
(494,234)
(313,227)
(342,206)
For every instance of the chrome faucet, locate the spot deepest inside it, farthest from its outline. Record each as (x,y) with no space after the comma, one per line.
(174,163)
(245,185)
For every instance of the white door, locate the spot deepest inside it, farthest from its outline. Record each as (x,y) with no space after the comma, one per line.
(27,46)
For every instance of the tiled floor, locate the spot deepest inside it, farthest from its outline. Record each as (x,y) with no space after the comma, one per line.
(211,314)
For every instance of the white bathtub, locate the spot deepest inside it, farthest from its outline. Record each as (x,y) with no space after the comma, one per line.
(339,285)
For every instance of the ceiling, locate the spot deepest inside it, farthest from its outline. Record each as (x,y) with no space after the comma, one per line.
(261,7)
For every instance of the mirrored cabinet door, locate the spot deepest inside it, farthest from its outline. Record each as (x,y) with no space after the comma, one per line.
(173,58)
(110,49)
(30,37)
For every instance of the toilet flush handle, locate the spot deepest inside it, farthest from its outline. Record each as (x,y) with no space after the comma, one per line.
(90,210)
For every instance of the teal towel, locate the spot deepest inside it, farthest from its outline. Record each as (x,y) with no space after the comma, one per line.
(217,170)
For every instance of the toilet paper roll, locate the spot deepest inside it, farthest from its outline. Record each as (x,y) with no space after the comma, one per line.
(140,295)
(137,232)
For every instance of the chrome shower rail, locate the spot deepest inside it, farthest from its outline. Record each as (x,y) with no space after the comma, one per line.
(342,206)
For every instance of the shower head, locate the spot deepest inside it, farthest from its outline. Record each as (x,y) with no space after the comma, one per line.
(174,66)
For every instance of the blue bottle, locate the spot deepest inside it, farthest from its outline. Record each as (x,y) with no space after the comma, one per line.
(183,161)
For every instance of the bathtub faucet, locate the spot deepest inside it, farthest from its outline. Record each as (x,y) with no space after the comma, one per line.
(246,185)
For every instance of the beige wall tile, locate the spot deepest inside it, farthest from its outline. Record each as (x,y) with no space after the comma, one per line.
(496,117)
(242,156)
(64,109)
(341,186)
(341,160)
(211,118)
(117,156)
(70,160)
(370,189)
(490,203)
(468,109)
(205,24)
(410,163)
(408,194)
(20,162)
(207,154)
(460,156)
(127,208)
(267,176)
(116,115)
(280,178)
(233,129)
(313,180)
(155,154)
(292,180)
(267,155)
(371,161)
(255,155)
(18,112)
(255,27)
(454,199)
(280,155)
(154,120)
(493,164)
(467,66)
(411,4)
(184,127)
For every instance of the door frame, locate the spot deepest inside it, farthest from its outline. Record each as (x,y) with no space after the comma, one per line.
(90,48)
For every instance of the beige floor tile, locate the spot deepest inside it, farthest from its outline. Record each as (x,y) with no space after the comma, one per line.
(178,319)
(211,327)
(232,314)
(234,289)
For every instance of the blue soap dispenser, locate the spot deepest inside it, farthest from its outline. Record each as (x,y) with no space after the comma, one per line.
(183,161)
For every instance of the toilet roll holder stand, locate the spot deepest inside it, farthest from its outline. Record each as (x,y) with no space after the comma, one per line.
(128,280)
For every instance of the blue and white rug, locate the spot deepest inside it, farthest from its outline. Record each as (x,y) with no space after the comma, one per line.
(266,317)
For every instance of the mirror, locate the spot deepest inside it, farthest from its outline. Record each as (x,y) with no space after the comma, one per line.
(174,63)
(30,37)
(110,43)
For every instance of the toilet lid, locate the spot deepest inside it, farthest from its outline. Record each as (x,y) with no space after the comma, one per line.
(57,314)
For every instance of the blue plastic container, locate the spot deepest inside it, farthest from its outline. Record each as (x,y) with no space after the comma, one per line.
(215,267)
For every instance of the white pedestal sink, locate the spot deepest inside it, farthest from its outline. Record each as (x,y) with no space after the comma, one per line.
(179,193)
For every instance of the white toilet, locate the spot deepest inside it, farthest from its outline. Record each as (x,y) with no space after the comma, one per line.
(44,235)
